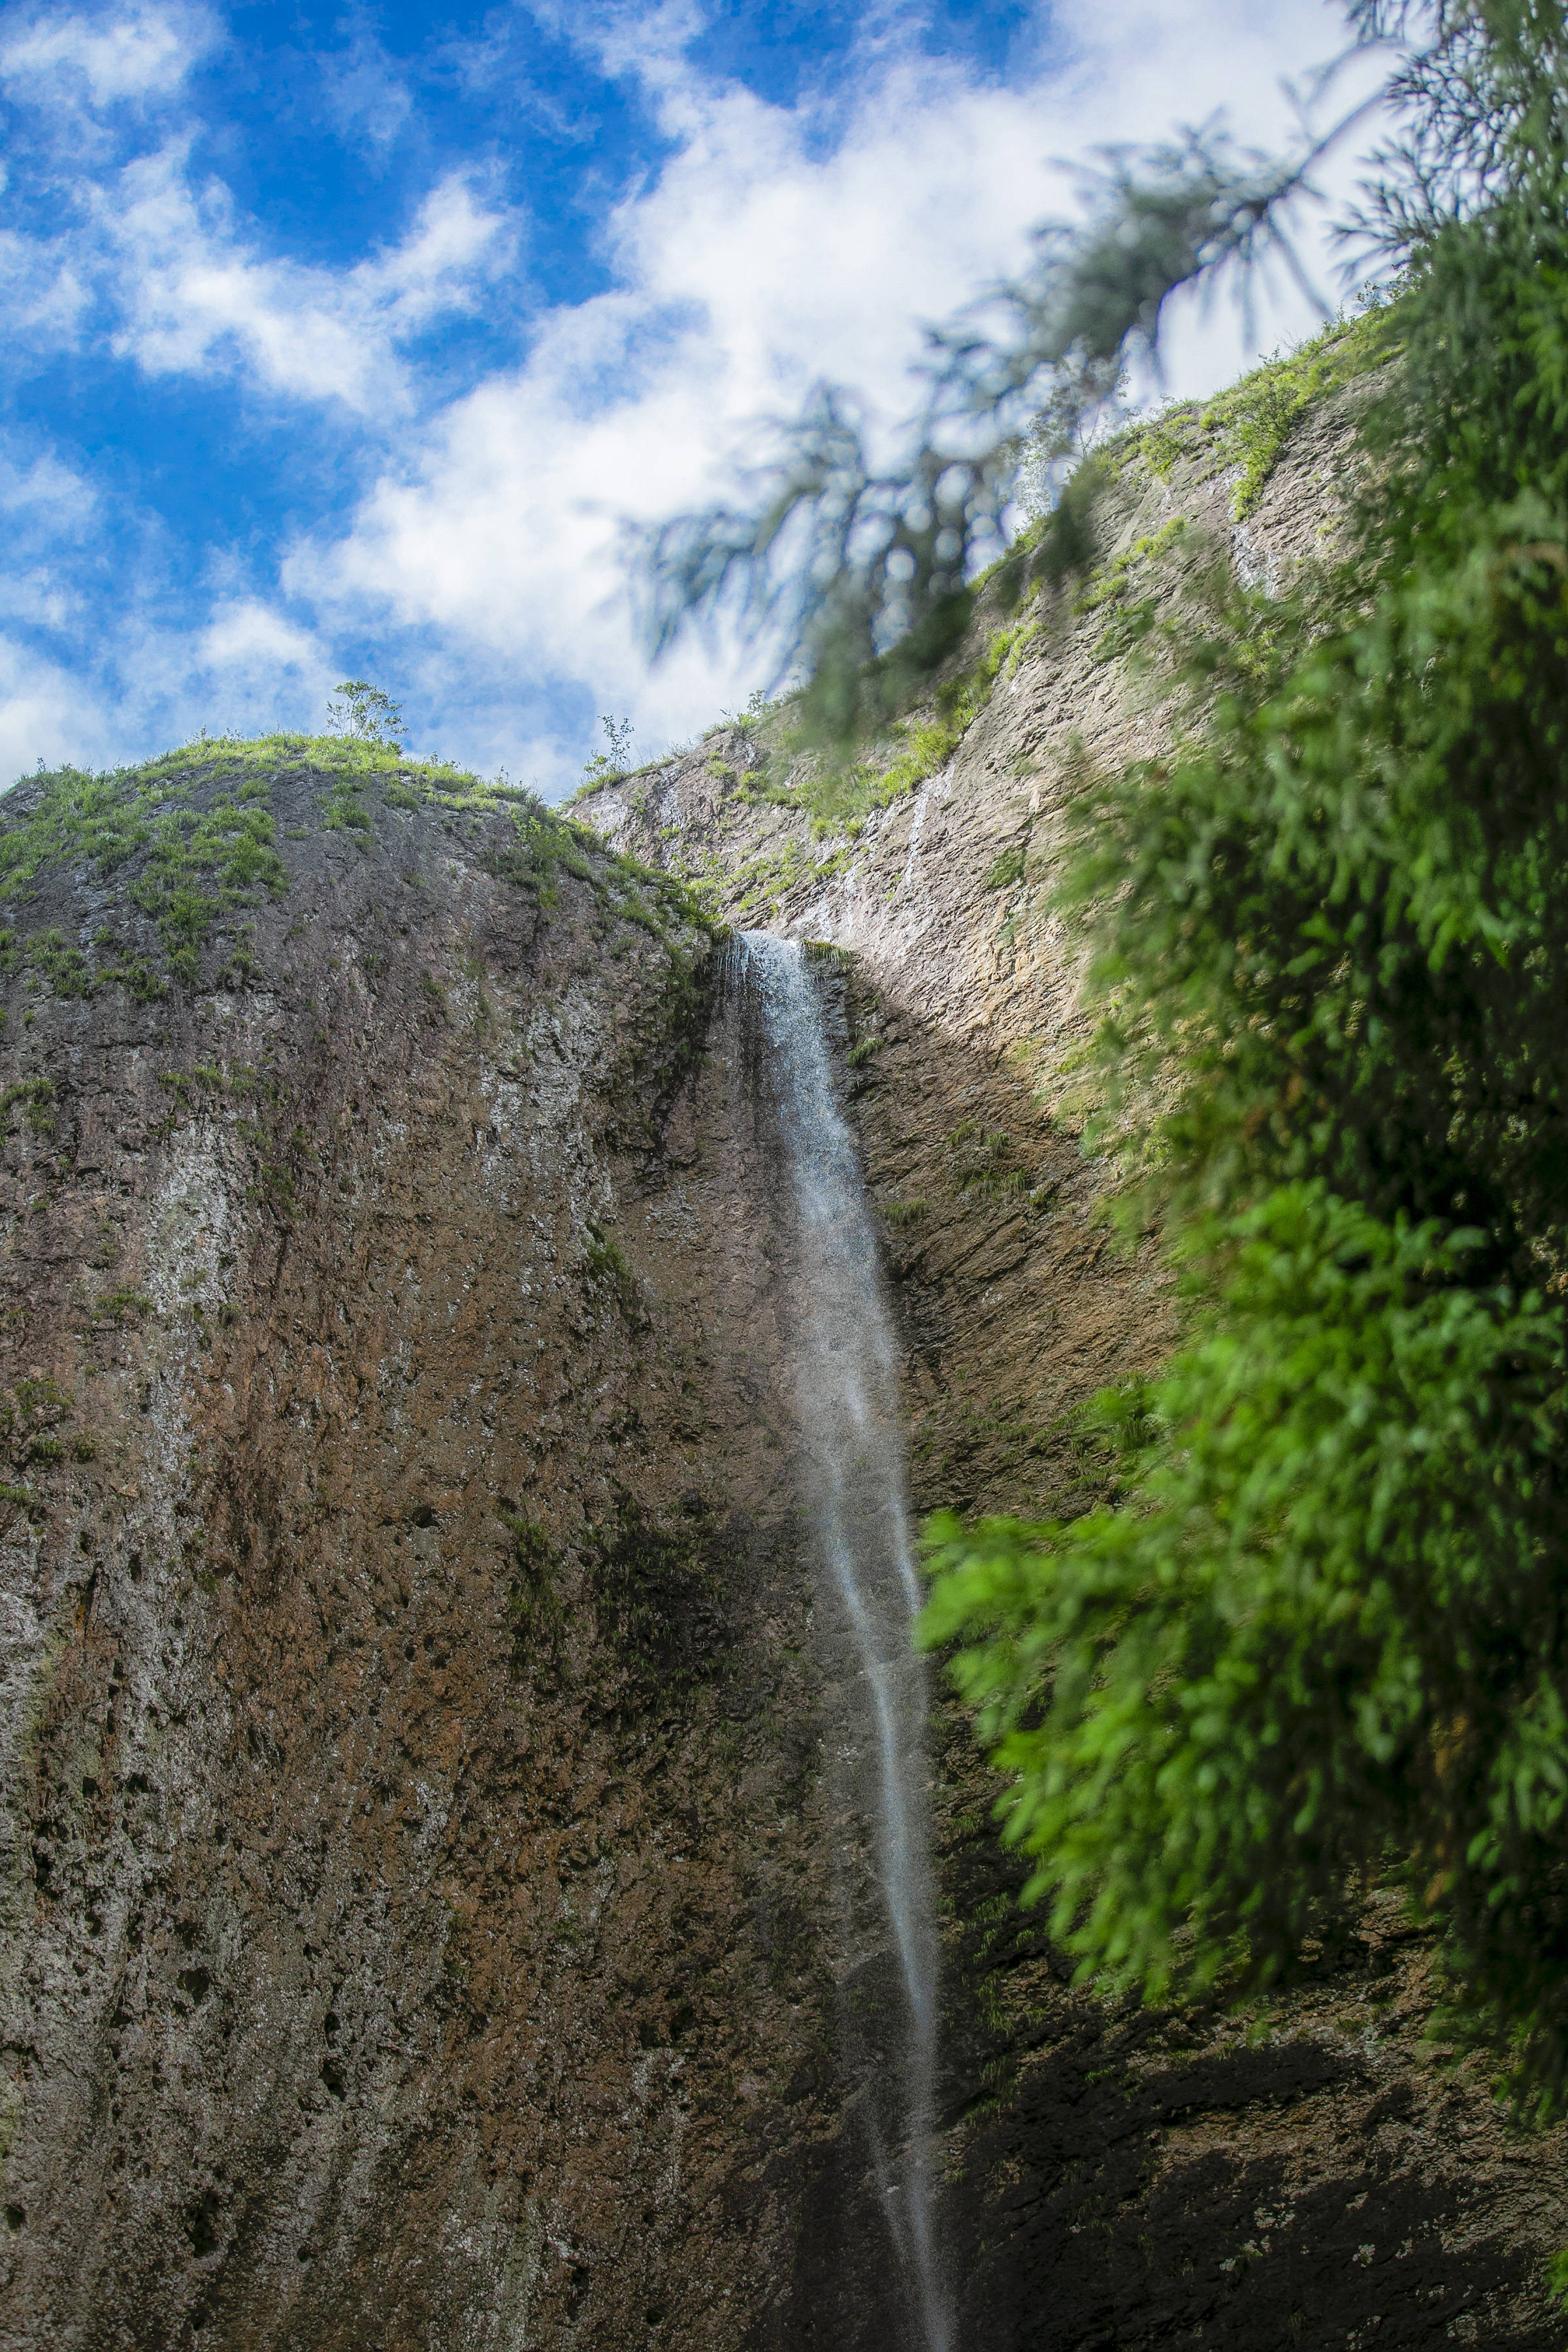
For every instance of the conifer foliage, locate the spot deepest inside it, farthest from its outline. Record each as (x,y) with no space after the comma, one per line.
(1320,1638)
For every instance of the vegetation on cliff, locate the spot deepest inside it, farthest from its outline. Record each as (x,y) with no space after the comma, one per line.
(193,842)
(1320,1638)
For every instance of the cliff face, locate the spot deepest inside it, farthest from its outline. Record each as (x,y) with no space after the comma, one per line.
(423,1876)
(1312,2173)
(413,1859)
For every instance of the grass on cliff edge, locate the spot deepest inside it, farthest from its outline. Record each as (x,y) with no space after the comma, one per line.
(196,866)
(1245,429)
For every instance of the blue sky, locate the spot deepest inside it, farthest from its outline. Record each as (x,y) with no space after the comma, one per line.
(339,338)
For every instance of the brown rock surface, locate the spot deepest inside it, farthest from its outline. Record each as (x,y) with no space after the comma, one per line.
(420,1861)
(413,1911)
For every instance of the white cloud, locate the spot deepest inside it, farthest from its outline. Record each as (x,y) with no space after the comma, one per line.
(362,95)
(36,483)
(774,246)
(42,291)
(135,53)
(50,510)
(196,298)
(250,637)
(45,715)
(248,670)
(754,264)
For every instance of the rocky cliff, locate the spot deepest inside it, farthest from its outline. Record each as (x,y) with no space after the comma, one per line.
(1313,2173)
(422,1874)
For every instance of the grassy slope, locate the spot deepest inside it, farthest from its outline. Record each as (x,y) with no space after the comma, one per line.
(193,839)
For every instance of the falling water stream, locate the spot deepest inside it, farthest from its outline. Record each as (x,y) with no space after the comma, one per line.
(853,1489)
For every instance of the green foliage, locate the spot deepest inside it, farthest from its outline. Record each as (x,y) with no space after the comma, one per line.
(279,1160)
(758,709)
(533,1600)
(200,866)
(366,714)
(61,963)
(344,809)
(985,1163)
(1240,1690)
(608,766)
(193,867)
(38,1096)
(1006,870)
(760,883)
(836,793)
(118,1305)
(1128,617)
(1245,428)
(605,1267)
(209,1078)
(1319,1637)
(529,857)
(33,1417)
(545,846)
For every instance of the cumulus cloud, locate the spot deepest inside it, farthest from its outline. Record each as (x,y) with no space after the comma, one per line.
(45,295)
(771,246)
(248,670)
(196,297)
(248,635)
(49,508)
(127,54)
(37,482)
(76,686)
(363,96)
(760,258)
(44,714)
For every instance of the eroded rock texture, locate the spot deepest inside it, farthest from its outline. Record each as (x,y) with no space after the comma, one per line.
(1312,2175)
(423,1882)
(416,1877)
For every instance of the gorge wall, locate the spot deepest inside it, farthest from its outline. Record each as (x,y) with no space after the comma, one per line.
(421,1862)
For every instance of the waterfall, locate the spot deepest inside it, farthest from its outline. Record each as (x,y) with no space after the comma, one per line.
(853,1490)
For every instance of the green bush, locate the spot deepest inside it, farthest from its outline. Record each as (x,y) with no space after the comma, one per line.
(1319,1639)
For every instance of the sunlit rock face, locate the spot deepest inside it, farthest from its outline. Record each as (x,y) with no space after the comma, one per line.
(435,1909)
(416,1869)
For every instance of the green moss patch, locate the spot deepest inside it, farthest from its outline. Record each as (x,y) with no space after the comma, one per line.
(837,795)
(192,868)
(1248,426)
(533,1601)
(35,1434)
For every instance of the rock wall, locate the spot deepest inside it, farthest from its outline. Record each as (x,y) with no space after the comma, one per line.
(420,1864)
(418,1902)
(1310,2174)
